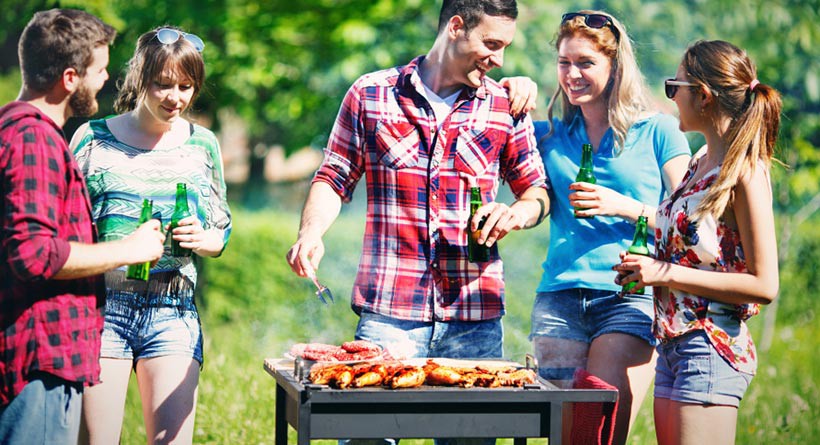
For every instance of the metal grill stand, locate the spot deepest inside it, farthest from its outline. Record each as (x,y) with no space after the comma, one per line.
(321,412)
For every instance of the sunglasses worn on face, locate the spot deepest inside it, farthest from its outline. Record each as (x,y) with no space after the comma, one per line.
(167,36)
(671,86)
(596,21)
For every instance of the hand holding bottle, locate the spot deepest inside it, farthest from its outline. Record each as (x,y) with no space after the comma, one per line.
(188,234)
(597,200)
(145,245)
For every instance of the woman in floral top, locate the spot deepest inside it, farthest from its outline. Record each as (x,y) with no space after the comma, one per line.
(716,256)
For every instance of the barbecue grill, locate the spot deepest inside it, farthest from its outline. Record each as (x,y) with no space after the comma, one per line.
(321,412)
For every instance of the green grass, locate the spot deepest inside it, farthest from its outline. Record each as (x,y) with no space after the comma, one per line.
(254,308)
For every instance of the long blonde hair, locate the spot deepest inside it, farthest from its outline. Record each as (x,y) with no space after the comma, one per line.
(752,108)
(627,95)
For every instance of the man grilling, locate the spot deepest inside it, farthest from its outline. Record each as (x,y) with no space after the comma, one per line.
(423,134)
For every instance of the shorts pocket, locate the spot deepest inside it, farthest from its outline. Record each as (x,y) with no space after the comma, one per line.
(397,144)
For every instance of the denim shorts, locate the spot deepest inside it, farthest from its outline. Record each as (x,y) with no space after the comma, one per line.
(136,327)
(585,314)
(453,339)
(690,370)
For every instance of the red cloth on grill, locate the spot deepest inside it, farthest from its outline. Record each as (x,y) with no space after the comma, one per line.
(592,422)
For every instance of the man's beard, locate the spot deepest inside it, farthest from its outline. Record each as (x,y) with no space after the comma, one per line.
(83,102)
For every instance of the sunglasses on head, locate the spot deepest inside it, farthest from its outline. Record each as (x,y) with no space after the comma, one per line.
(167,36)
(670,86)
(596,21)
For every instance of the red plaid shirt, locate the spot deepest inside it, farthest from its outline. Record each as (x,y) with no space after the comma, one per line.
(414,260)
(48,325)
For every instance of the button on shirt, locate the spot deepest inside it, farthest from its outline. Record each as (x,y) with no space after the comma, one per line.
(48,325)
(414,261)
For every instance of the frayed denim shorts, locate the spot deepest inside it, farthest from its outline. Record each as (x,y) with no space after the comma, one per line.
(690,370)
(137,327)
(585,314)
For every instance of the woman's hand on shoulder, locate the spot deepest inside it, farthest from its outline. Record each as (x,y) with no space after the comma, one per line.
(523,94)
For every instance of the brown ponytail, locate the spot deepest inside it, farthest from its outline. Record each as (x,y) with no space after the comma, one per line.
(752,107)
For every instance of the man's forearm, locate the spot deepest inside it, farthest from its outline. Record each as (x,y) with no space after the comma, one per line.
(87,260)
(321,209)
(533,205)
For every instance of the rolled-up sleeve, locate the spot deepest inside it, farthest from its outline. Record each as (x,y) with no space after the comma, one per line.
(343,165)
(521,161)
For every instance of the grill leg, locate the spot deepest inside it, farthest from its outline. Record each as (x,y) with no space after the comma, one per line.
(281,434)
(303,431)
(556,422)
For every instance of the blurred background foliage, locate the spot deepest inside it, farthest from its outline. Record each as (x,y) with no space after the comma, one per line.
(283,68)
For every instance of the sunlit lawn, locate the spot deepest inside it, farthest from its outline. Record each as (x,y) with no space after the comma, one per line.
(256,309)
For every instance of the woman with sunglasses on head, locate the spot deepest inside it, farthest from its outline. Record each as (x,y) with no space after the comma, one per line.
(716,255)
(579,319)
(153,326)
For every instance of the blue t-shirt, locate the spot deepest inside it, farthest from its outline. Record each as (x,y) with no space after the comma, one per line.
(582,251)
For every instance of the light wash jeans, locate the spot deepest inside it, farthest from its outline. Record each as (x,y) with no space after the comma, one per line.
(412,339)
(47,411)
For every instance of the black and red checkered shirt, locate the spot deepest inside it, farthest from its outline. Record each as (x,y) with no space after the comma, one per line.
(46,325)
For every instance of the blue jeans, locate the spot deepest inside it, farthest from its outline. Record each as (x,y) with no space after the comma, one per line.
(47,411)
(690,370)
(452,339)
(412,339)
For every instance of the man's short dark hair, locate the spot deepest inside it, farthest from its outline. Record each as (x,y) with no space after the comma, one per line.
(471,11)
(58,39)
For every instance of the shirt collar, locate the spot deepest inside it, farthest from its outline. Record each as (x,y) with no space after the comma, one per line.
(406,82)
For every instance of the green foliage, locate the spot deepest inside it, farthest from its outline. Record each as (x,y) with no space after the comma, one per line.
(9,86)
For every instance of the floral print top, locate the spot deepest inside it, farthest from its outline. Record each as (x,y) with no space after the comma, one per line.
(707,244)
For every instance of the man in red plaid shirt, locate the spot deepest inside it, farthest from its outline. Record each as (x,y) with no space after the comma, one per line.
(423,134)
(50,290)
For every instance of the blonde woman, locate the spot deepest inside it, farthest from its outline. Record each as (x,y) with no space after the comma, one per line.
(579,319)
(716,255)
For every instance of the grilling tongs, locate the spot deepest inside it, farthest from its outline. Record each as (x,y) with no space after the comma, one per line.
(322,291)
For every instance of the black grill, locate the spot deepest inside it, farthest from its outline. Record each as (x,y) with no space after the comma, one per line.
(321,412)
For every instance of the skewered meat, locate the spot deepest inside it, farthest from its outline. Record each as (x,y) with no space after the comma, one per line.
(406,377)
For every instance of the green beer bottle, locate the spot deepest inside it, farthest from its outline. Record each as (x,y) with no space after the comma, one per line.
(585,173)
(180,212)
(142,270)
(638,247)
(476,253)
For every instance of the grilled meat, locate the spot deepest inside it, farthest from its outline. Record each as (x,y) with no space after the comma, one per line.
(336,375)
(518,377)
(367,374)
(406,377)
